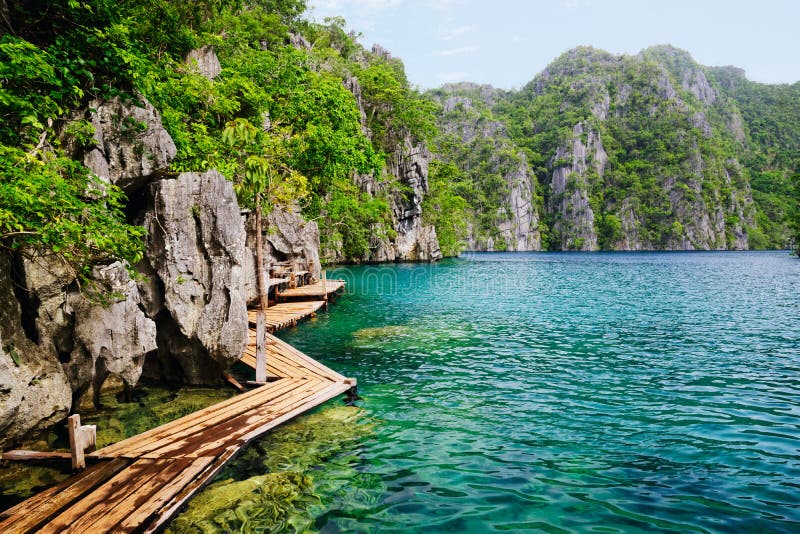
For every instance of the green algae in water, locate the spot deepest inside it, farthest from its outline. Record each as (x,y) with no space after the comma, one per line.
(272,486)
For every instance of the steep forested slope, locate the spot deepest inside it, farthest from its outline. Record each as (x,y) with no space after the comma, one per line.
(293,112)
(641,152)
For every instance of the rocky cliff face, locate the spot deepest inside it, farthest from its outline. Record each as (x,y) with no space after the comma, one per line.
(184,320)
(407,238)
(414,241)
(195,245)
(480,145)
(631,153)
(34,390)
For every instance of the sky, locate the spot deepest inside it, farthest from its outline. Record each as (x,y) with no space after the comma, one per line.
(505,43)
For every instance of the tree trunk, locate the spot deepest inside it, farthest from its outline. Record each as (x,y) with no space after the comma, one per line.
(263,290)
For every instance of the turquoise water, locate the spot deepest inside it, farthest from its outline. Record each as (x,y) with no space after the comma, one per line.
(570,392)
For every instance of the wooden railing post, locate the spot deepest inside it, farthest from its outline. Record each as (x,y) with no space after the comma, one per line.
(261,347)
(81,437)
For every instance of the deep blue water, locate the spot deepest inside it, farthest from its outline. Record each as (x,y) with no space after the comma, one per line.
(607,392)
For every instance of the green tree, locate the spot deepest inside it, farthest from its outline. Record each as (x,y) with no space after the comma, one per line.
(262,180)
(53,205)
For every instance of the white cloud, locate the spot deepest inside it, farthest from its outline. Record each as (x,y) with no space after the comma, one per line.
(451,33)
(455,51)
(452,77)
(518,39)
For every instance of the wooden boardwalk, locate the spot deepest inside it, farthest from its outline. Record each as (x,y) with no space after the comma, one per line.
(317,290)
(287,314)
(138,484)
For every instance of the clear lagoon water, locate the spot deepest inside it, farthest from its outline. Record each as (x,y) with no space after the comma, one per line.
(545,392)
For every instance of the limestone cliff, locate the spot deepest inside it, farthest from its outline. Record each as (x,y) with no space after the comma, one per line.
(637,152)
(403,183)
(504,213)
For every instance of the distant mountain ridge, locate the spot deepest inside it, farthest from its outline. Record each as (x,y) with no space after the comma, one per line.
(646,152)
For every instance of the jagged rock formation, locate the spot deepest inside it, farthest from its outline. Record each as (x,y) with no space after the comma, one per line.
(504,212)
(406,238)
(415,241)
(110,338)
(568,202)
(195,244)
(130,142)
(34,390)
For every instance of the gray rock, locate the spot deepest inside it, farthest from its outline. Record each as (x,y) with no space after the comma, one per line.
(131,142)
(34,391)
(45,282)
(299,42)
(195,243)
(569,199)
(110,338)
(204,61)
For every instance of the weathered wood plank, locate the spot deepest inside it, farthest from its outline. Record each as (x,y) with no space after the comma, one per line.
(195,423)
(171,508)
(229,430)
(22,456)
(80,516)
(317,290)
(31,514)
(144,511)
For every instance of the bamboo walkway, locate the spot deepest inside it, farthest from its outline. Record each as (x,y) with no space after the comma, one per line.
(321,289)
(140,483)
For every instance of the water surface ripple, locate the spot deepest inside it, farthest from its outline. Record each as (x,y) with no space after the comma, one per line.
(572,392)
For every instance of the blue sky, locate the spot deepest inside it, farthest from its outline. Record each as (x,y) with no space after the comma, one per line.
(507,42)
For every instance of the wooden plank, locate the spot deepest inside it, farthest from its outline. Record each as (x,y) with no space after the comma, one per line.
(187,427)
(230,429)
(144,512)
(318,289)
(232,381)
(22,456)
(32,513)
(80,516)
(149,496)
(191,428)
(234,403)
(169,510)
(320,397)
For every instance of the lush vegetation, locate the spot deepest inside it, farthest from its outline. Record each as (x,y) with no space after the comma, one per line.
(278,120)
(300,109)
(674,151)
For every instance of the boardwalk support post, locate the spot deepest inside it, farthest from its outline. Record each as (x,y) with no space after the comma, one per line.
(81,437)
(352,393)
(261,348)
